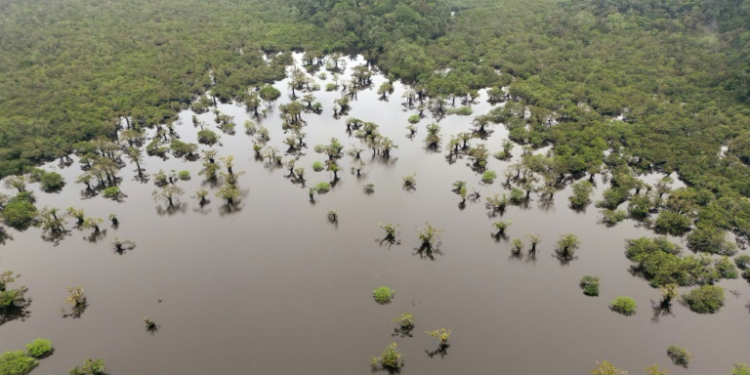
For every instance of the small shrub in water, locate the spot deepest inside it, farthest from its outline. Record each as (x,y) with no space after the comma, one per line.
(383,295)
(184,175)
(706,299)
(318,166)
(39,348)
(90,367)
(590,285)
(623,305)
(488,177)
(742,261)
(405,322)
(390,359)
(441,334)
(679,355)
(16,363)
(323,187)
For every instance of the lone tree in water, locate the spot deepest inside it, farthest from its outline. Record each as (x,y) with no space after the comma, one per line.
(429,237)
(168,193)
(229,193)
(567,246)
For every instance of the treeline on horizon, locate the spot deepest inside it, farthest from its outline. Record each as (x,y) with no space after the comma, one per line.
(677,72)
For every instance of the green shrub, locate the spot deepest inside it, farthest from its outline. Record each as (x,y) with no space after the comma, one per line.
(742,261)
(39,348)
(581,194)
(390,359)
(706,299)
(489,176)
(20,211)
(112,192)
(741,369)
(383,295)
(269,93)
(90,367)
(679,355)
(16,363)
(330,87)
(51,181)
(184,175)
(726,268)
(405,322)
(323,187)
(413,119)
(612,217)
(623,305)
(590,285)
(670,222)
(318,166)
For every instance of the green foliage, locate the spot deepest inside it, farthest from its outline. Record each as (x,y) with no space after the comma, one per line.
(742,261)
(679,355)
(16,363)
(613,197)
(50,181)
(606,368)
(207,137)
(741,369)
(390,359)
(582,191)
(726,268)
(184,175)
(413,119)
(441,334)
(323,187)
(659,262)
(706,299)
(489,176)
(318,166)
(20,211)
(90,367)
(390,230)
(405,322)
(383,295)
(567,245)
(710,239)
(673,223)
(39,348)
(623,305)
(410,181)
(112,192)
(613,217)
(590,285)
(269,93)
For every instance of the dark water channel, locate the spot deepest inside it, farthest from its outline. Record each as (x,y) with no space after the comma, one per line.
(274,288)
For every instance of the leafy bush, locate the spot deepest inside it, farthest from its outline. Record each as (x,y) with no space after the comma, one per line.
(590,285)
(318,166)
(710,239)
(383,295)
(489,176)
(706,299)
(741,369)
(90,367)
(441,334)
(679,355)
(331,87)
(413,119)
(726,268)
(16,363)
(112,192)
(323,187)
(623,305)
(612,217)
(184,175)
(581,194)
(51,181)
(405,322)
(39,348)
(670,222)
(20,211)
(742,261)
(390,359)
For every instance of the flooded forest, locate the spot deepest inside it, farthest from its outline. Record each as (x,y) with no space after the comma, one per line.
(362,199)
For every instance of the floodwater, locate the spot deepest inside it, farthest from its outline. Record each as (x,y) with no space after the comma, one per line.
(272,287)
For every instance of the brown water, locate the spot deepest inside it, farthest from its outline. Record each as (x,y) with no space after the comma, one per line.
(274,288)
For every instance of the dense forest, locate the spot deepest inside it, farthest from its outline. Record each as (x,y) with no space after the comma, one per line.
(631,86)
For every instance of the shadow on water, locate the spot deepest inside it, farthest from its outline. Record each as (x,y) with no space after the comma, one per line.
(428,251)
(442,351)
(660,309)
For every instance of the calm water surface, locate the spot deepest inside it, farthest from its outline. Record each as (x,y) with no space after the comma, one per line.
(274,288)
